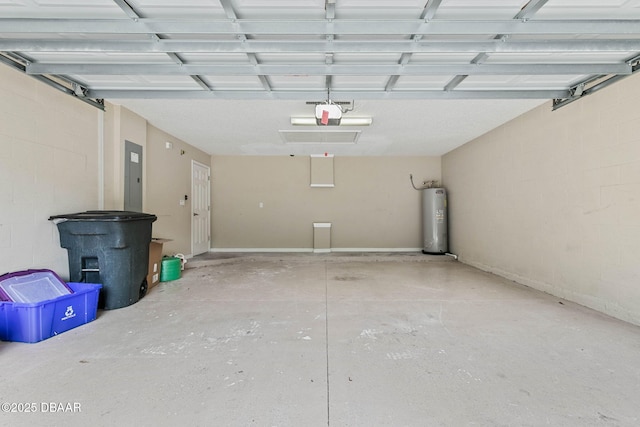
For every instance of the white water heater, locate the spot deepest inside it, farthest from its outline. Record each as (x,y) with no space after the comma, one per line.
(435,239)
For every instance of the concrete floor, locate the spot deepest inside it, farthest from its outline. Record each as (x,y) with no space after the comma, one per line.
(338,340)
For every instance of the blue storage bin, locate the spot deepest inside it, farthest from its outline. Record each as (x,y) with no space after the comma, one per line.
(33,322)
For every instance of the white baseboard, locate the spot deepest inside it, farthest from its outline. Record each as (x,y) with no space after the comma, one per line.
(260,250)
(316,250)
(376,249)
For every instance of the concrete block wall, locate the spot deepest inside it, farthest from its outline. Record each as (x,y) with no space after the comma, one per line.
(49,165)
(552,200)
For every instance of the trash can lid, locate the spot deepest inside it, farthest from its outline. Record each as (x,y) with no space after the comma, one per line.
(105,216)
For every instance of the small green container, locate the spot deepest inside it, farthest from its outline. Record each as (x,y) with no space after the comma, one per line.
(170,269)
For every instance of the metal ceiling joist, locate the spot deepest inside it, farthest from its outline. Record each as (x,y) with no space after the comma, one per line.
(127,9)
(328,69)
(320,26)
(454,82)
(427,14)
(253,59)
(571,47)
(430,9)
(315,46)
(330,9)
(330,14)
(525,13)
(530,9)
(321,94)
(73,88)
(593,84)
(135,15)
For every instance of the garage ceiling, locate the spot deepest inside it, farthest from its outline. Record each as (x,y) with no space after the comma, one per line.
(227,75)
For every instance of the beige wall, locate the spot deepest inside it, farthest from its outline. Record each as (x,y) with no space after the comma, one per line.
(121,125)
(167,174)
(552,200)
(55,152)
(169,180)
(48,165)
(372,205)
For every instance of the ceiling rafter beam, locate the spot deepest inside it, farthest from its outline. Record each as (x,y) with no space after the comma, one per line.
(330,14)
(328,81)
(430,9)
(527,11)
(391,83)
(329,69)
(136,16)
(428,12)
(530,9)
(320,26)
(127,9)
(594,84)
(314,46)
(320,94)
(330,9)
(242,38)
(454,82)
(16,63)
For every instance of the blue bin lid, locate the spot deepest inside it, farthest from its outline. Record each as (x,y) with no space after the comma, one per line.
(105,216)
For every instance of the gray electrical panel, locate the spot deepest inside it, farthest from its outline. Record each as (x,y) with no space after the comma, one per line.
(434,221)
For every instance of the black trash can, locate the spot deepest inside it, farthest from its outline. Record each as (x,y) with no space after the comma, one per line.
(111,248)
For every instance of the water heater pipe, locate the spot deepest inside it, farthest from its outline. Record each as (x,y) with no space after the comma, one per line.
(426,184)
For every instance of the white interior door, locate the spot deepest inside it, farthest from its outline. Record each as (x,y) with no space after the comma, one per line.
(200,208)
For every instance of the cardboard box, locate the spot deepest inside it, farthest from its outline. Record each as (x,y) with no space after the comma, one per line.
(155,261)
